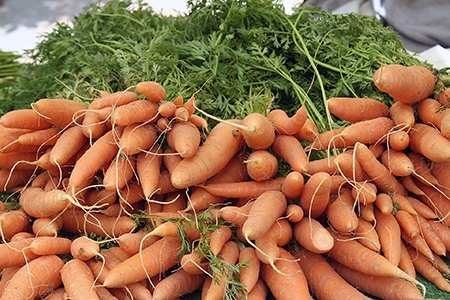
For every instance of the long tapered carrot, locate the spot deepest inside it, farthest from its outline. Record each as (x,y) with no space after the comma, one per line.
(407,223)
(244,189)
(249,275)
(431,237)
(316,194)
(16,253)
(323,279)
(69,142)
(222,143)
(148,165)
(145,264)
(152,90)
(113,100)
(119,172)
(406,84)
(42,137)
(367,235)
(389,234)
(380,175)
(59,112)
(24,119)
(35,279)
(81,288)
(368,131)
(361,108)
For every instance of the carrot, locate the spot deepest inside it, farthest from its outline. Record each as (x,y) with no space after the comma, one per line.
(328,139)
(7,273)
(311,235)
(84,248)
(406,84)
(442,231)
(445,124)
(35,279)
(398,140)
(261,165)
(410,184)
(428,271)
(383,287)
(367,132)
(403,115)
(24,119)
(367,235)
(113,100)
(119,172)
(431,237)
(19,160)
(397,162)
(419,244)
(49,226)
(59,112)
(181,114)
(249,274)
(16,253)
(41,137)
(259,291)
(222,143)
(195,262)
(421,208)
(384,203)
(427,112)
(294,286)
(148,165)
(22,235)
(381,176)
(422,170)
(258,131)
(9,179)
(401,202)
(292,186)
(316,194)
(69,142)
(8,140)
(364,192)
(93,126)
(294,213)
(77,221)
(288,125)
(199,121)
(143,265)
(269,206)
(12,222)
(218,238)
(176,284)
(102,151)
(137,137)
(365,261)
(131,242)
(349,167)
(167,109)
(308,132)
(323,279)
(236,215)
(407,223)
(152,90)
(134,112)
(50,245)
(361,108)
(184,138)
(81,286)
(429,142)
(341,214)
(39,203)
(267,246)
(389,234)
(291,150)
(243,189)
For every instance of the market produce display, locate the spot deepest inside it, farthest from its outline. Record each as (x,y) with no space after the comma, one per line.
(147,190)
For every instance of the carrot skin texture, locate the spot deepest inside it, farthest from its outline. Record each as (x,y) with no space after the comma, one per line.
(184,138)
(38,277)
(323,279)
(50,245)
(403,115)
(81,288)
(316,194)
(285,124)
(24,119)
(429,142)
(132,269)
(250,274)
(152,90)
(341,214)
(134,112)
(260,132)
(12,222)
(291,150)
(389,233)
(210,158)
(178,283)
(311,235)
(59,112)
(362,108)
(261,165)
(244,189)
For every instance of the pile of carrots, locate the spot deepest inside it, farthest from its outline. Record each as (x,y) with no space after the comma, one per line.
(133,196)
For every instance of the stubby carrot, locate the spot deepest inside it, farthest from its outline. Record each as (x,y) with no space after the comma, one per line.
(341,212)
(261,165)
(152,90)
(291,150)
(403,115)
(59,112)
(50,245)
(39,203)
(285,124)
(311,235)
(12,222)
(429,142)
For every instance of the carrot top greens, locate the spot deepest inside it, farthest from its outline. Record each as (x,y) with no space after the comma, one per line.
(242,56)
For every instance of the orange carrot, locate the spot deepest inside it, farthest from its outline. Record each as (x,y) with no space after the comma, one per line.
(170,159)
(16,252)
(431,237)
(259,291)
(323,279)
(293,286)
(397,162)
(442,231)
(39,203)
(346,164)
(405,84)
(328,139)
(249,275)
(167,109)
(419,244)
(398,140)
(384,203)
(69,142)
(37,278)
(152,90)
(367,235)
(368,131)
(422,169)
(50,245)
(222,143)
(294,213)
(288,125)
(311,235)
(361,108)
(403,115)
(184,138)
(383,287)
(7,273)
(316,194)
(199,121)
(218,238)
(59,112)
(292,186)
(148,167)
(235,214)
(137,137)
(428,271)
(364,192)
(244,189)
(407,223)
(50,226)
(190,105)
(381,176)
(341,213)
(366,211)
(308,132)
(195,262)
(176,284)
(406,263)
(143,265)
(12,222)
(421,208)
(366,261)
(24,119)
(291,150)
(401,202)
(258,131)
(268,245)
(429,142)
(427,111)
(181,114)
(261,165)
(81,288)
(389,234)
(269,206)
(131,242)
(119,172)
(102,151)
(84,248)
(134,112)
(113,100)
(93,126)
(41,137)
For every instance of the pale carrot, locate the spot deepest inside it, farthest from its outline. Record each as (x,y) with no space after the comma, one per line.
(176,284)
(80,286)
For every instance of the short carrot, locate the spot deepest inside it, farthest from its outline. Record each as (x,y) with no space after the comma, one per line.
(341,212)
(397,162)
(285,124)
(12,222)
(291,150)
(316,194)
(50,245)
(367,235)
(16,253)
(42,137)
(137,137)
(294,213)
(184,138)
(403,115)
(176,284)
(84,248)
(292,186)
(384,203)
(407,223)
(398,140)
(261,165)
(308,132)
(427,112)
(148,165)
(311,235)
(218,238)
(134,112)
(367,132)
(364,192)
(24,119)
(429,142)
(152,90)
(69,142)
(258,131)
(113,100)
(81,286)
(39,203)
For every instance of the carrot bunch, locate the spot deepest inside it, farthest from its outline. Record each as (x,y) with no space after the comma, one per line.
(138,197)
